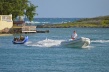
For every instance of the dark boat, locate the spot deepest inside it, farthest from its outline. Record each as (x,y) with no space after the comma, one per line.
(20,42)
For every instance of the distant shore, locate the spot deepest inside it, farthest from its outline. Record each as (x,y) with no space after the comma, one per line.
(67,25)
(97,22)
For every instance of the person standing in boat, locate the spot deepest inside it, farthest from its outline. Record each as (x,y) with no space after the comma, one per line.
(74,35)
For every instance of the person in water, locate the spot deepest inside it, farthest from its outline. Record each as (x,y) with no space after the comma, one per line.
(74,35)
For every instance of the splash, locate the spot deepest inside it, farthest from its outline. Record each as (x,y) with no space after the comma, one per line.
(100,41)
(45,43)
(88,47)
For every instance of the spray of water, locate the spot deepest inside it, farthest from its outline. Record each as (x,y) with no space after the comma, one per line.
(100,41)
(45,43)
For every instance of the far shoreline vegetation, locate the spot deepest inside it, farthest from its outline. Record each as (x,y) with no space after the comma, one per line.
(96,22)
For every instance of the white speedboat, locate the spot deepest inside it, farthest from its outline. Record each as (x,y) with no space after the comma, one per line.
(79,42)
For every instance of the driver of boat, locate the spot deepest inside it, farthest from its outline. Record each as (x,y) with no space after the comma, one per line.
(74,35)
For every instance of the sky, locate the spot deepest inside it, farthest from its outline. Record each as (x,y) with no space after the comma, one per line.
(71,8)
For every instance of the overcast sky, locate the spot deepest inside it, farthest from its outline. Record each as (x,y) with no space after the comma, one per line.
(71,8)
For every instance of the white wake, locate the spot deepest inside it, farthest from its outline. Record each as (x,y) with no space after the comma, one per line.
(45,43)
(100,41)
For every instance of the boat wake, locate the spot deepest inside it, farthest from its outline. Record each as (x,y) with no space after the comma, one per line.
(45,43)
(99,41)
(79,43)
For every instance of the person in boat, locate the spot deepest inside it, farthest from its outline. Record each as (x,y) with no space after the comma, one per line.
(15,38)
(21,38)
(74,35)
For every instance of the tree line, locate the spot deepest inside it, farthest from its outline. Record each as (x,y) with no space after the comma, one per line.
(18,8)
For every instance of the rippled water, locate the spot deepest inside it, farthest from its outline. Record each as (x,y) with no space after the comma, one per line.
(44,53)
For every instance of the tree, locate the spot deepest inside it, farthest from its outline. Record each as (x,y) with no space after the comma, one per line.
(18,8)
(30,11)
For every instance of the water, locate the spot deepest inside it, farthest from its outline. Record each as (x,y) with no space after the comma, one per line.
(39,21)
(44,53)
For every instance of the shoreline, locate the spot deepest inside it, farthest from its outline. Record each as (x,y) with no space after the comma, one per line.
(46,31)
(6,34)
(96,22)
(72,26)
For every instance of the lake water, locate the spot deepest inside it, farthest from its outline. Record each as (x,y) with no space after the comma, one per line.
(44,53)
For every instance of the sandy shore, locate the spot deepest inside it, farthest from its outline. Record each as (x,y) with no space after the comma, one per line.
(5,34)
